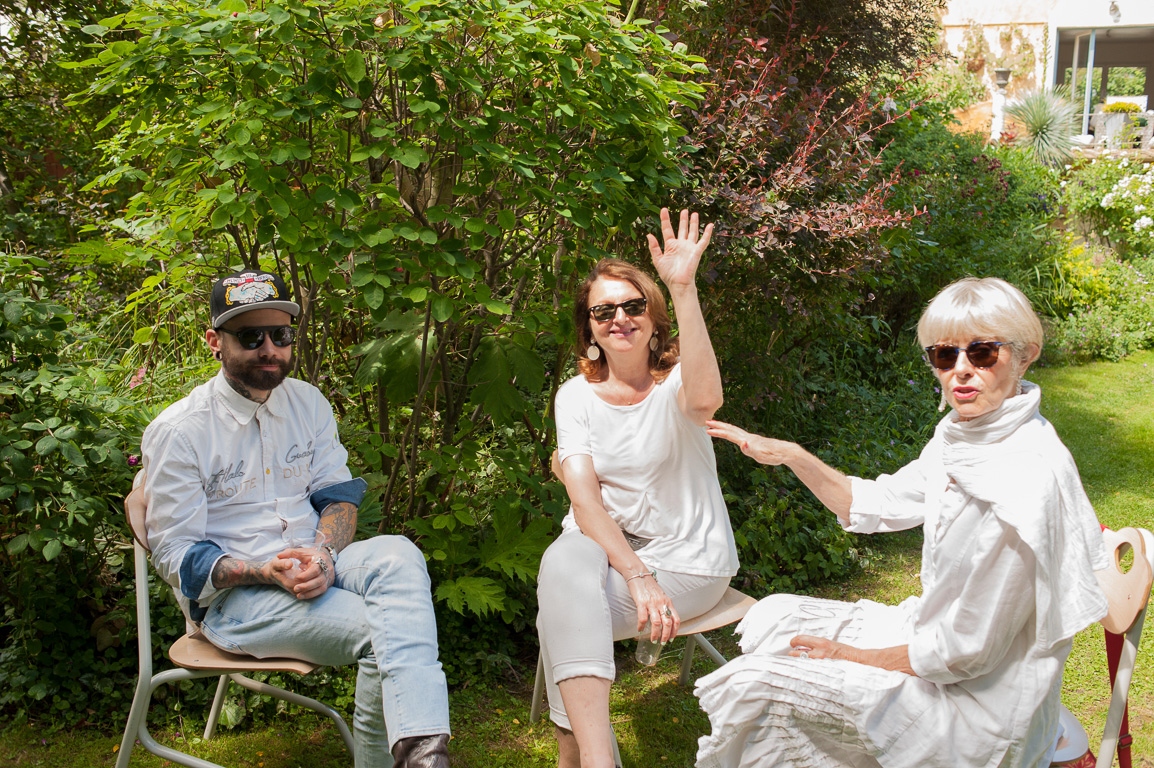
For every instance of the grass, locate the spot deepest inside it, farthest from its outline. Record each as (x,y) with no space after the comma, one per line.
(1104,413)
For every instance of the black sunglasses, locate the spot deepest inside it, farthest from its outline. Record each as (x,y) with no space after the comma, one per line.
(253,338)
(603,312)
(981,354)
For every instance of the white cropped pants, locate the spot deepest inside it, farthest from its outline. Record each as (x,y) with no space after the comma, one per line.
(585,605)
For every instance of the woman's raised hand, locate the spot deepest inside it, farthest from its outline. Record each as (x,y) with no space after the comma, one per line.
(677,261)
(764,450)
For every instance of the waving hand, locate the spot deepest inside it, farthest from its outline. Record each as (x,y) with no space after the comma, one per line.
(677,262)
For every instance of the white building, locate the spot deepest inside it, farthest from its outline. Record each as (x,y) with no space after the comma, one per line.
(1039,40)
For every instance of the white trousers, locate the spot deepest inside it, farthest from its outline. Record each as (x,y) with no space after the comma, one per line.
(585,605)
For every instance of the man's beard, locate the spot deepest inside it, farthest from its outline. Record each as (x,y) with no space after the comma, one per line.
(245,371)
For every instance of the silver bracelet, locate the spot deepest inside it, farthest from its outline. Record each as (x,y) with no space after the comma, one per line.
(332,552)
(642,575)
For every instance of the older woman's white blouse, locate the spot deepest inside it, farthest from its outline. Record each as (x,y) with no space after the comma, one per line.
(989,666)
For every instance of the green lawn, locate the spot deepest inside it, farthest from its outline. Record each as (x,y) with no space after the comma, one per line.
(1105,414)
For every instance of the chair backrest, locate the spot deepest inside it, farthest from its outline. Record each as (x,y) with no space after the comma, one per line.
(1127,591)
(136,511)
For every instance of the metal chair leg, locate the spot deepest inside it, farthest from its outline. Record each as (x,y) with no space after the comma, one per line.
(687,659)
(217,704)
(538,691)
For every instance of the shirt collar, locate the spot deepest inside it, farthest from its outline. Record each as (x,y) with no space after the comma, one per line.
(241,408)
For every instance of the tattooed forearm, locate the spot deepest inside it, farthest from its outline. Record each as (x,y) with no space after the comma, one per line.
(339,522)
(242,390)
(230,572)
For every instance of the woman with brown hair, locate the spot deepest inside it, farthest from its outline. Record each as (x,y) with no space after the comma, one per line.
(647,540)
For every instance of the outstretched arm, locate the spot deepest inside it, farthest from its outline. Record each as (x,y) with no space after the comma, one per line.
(676,263)
(831,487)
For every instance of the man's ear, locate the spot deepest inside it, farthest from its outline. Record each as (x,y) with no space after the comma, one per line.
(212,338)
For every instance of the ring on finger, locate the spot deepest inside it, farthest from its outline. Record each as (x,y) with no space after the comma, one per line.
(668,612)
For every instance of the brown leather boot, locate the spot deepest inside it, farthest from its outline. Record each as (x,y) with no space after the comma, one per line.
(422,752)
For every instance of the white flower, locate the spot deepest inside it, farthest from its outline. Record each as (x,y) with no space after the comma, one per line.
(1142,223)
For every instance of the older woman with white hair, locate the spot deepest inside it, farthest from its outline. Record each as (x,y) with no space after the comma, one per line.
(970,672)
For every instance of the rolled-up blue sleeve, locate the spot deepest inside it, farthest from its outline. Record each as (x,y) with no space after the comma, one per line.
(196,567)
(350,491)
(177,513)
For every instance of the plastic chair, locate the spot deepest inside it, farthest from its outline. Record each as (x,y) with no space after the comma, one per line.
(194,657)
(1128,593)
(730,609)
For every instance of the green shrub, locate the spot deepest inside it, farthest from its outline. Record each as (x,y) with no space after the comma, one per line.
(985,211)
(1069,281)
(1113,326)
(1111,200)
(65,439)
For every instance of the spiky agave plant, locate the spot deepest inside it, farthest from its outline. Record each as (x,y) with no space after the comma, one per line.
(1048,123)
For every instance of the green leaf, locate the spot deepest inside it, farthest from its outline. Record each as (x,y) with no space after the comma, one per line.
(96,30)
(142,335)
(442,308)
(374,295)
(73,454)
(409,156)
(355,66)
(13,311)
(219,217)
(496,307)
(18,544)
(479,594)
(290,230)
(46,445)
(279,206)
(415,293)
(52,549)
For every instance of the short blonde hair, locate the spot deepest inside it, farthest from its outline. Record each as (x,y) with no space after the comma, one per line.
(987,307)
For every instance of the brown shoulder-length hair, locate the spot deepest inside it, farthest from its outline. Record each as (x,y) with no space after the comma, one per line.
(661,360)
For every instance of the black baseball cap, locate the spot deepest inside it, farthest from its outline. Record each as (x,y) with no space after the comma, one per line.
(243,291)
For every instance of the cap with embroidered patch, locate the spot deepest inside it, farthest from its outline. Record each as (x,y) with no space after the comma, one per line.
(244,291)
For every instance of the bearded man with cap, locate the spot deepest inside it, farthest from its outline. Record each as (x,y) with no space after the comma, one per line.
(233,473)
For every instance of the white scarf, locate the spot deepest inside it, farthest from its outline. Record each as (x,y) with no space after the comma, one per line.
(1013,459)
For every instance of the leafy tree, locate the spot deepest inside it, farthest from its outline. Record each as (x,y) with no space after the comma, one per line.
(46,148)
(431,177)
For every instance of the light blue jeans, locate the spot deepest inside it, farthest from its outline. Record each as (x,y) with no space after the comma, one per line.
(379,614)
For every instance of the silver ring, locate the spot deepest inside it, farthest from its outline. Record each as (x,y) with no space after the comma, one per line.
(668,612)
(803,655)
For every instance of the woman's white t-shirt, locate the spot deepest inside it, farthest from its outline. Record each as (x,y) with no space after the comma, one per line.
(658,475)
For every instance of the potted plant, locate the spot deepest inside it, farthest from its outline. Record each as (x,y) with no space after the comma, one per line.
(1116,118)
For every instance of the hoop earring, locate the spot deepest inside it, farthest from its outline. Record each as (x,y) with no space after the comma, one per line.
(593,352)
(653,343)
(942,404)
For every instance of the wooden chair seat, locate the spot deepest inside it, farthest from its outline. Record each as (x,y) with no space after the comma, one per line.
(195,652)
